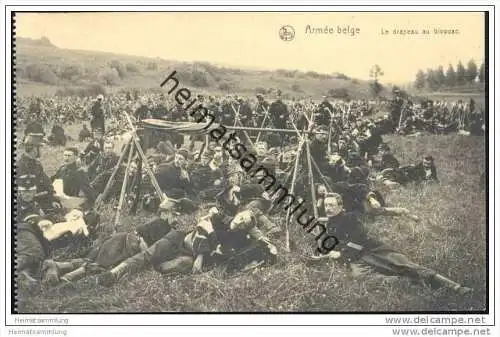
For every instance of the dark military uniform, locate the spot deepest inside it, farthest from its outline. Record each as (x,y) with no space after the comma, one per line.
(245,113)
(172,183)
(354,195)
(322,115)
(278,113)
(103,163)
(100,170)
(32,167)
(422,173)
(84,134)
(159,112)
(319,152)
(142,112)
(166,251)
(34,127)
(31,246)
(395,110)
(227,117)
(57,136)
(178,114)
(75,181)
(92,150)
(97,113)
(260,111)
(203,181)
(357,247)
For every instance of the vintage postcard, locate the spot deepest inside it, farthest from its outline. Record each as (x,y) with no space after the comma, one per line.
(253,160)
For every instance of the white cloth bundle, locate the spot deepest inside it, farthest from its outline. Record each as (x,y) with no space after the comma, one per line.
(74,225)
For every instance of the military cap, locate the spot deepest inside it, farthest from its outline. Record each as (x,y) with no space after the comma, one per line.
(321,128)
(428,160)
(100,97)
(26,182)
(183,152)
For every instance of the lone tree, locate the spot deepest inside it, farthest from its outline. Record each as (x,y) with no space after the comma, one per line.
(375,73)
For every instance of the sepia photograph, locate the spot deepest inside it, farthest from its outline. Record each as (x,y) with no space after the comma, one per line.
(250,162)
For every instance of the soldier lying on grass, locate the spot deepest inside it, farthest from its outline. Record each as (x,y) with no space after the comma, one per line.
(117,248)
(200,249)
(363,253)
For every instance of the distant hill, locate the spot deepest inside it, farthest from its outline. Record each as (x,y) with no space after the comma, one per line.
(42,65)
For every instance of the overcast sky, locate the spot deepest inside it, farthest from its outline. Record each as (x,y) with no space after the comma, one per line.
(252,39)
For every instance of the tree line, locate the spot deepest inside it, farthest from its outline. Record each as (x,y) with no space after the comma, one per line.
(434,79)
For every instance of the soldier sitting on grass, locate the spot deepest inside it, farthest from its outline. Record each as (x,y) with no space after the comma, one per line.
(37,235)
(57,136)
(84,134)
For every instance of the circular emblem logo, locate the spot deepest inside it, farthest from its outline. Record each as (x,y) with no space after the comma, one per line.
(287,33)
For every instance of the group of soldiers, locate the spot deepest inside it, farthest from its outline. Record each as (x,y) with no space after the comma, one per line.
(238,224)
(400,115)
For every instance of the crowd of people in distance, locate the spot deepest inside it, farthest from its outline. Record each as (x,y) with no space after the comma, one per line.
(240,224)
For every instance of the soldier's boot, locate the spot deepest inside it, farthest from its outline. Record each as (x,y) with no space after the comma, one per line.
(52,270)
(179,265)
(108,278)
(66,267)
(446,282)
(74,275)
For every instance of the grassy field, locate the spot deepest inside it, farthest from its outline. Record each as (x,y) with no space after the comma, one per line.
(451,238)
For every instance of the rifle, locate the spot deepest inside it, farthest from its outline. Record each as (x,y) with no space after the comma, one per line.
(403,109)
